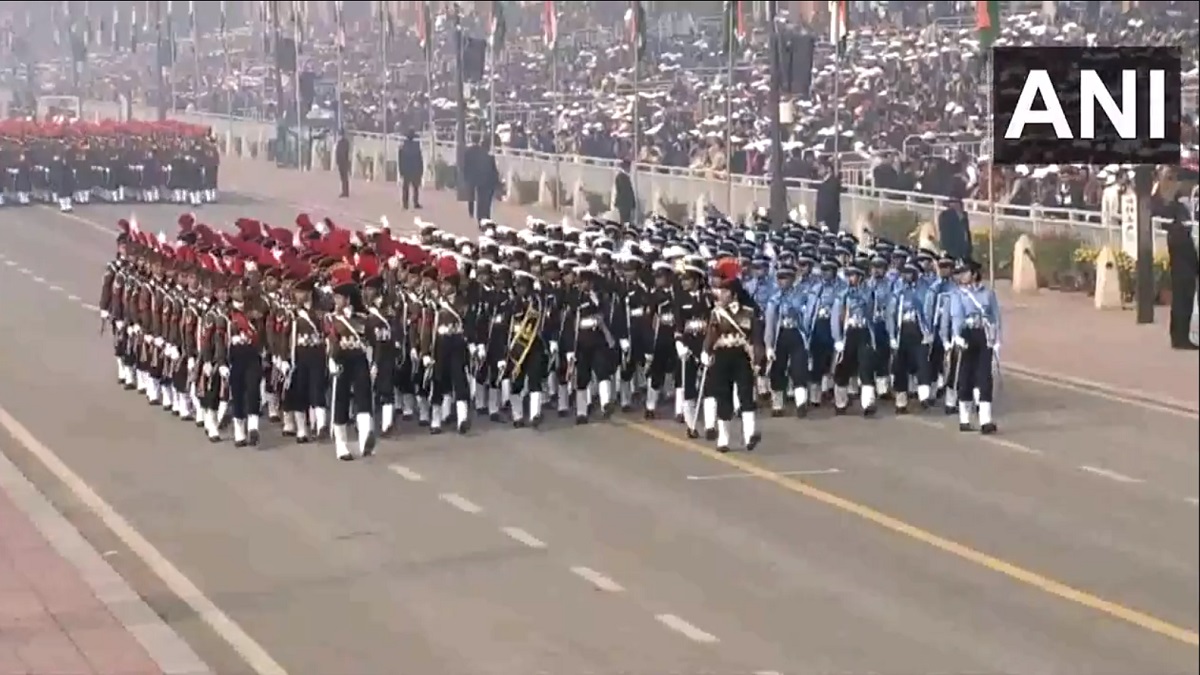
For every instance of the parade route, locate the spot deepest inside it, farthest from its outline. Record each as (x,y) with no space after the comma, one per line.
(1068,543)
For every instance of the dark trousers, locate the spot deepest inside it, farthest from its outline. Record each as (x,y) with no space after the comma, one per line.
(450,363)
(351,386)
(245,376)
(593,359)
(730,369)
(911,357)
(482,200)
(975,367)
(307,380)
(857,359)
(1183,295)
(791,361)
(410,192)
(344,177)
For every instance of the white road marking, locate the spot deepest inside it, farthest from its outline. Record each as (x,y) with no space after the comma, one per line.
(767,672)
(90,308)
(73,298)
(56,289)
(38,280)
(686,629)
(22,270)
(459,502)
(405,473)
(1194,501)
(1100,390)
(992,440)
(10,263)
(597,579)
(801,472)
(524,537)
(182,587)
(1110,474)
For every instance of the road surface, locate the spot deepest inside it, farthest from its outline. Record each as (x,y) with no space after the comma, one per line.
(1067,544)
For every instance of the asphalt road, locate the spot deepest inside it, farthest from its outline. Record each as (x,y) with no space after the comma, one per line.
(1068,544)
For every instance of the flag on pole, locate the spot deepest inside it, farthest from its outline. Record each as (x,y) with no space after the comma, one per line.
(839,24)
(386,20)
(222,25)
(425,30)
(635,24)
(735,25)
(114,34)
(192,27)
(550,23)
(987,22)
(339,21)
(498,30)
(133,30)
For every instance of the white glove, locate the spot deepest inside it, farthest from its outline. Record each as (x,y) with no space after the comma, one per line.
(927,340)
(996,349)
(427,361)
(412,354)
(374,372)
(334,368)
(104,314)
(624,344)
(770,354)
(478,350)
(570,357)
(960,342)
(208,370)
(191,363)
(502,365)
(158,342)
(149,339)
(705,358)
(120,324)
(947,345)
(283,367)
(172,352)
(895,344)
(839,346)
(681,349)
(224,370)
(132,330)
(554,346)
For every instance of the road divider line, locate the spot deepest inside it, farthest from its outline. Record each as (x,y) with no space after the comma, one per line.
(524,537)
(600,581)
(743,474)
(1194,501)
(73,298)
(686,629)
(38,280)
(23,270)
(962,551)
(991,440)
(56,289)
(461,503)
(406,473)
(90,308)
(250,651)
(1109,474)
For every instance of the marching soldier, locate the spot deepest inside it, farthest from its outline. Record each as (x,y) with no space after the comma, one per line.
(214,354)
(380,326)
(854,342)
(786,318)
(589,345)
(975,330)
(446,357)
(347,345)
(733,337)
(304,368)
(693,306)
(244,376)
(525,362)
(910,330)
(662,358)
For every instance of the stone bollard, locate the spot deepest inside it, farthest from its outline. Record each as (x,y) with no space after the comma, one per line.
(656,202)
(612,197)
(1024,272)
(546,188)
(579,202)
(928,236)
(511,195)
(1108,280)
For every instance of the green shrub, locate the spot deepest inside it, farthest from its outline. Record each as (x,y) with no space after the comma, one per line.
(1055,259)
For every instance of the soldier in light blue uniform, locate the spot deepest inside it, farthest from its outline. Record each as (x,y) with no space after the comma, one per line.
(759,284)
(786,318)
(975,330)
(910,335)
(823,293)
(943,358)
(854,342)
(880,285)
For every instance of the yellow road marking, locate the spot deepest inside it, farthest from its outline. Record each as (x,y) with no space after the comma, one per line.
(962,551)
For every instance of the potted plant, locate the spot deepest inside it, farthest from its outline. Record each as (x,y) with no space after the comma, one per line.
(1084,268)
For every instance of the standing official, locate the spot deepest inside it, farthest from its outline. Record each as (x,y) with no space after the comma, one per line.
(341,154)
(411,164)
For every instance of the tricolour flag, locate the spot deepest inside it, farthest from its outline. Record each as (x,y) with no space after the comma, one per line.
(987,22)
(735,25)
(635,25)
(550,23)
(498,29)
(839,24)
(425,29)
(339,20)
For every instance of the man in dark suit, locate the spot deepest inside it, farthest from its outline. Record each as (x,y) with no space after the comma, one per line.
(954,231)
(341,155)
(1184,269)
(829,201)
(411,164)
(482,177)
(625,200)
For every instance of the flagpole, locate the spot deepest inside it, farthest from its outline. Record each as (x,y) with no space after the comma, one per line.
(296,37)
(384,14)
(171,46)
(555,101)
(730,37)
(494,72)
(160,69)
(991,177)
(426,23)
(636,107)
(339,19)
(836,33)
(195,50)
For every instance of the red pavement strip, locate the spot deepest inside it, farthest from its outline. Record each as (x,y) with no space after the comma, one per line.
(1053,338)
(52,618)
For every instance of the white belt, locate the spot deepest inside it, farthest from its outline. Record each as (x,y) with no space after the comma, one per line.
(637,312)
(909,316)
(973,322)
(731,341)
(666,318)
(695,325)
(449,329)
(856,322)
(308,341)
(498,319)
(823,313)
(350,343)
(787,323)
(239,339)
(589,323)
